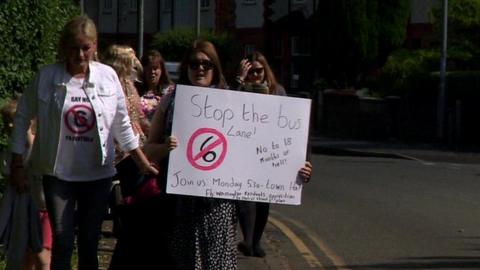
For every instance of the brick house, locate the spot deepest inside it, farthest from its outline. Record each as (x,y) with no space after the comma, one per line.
(279,28)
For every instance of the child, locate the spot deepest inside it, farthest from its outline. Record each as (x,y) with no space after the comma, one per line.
(33,260)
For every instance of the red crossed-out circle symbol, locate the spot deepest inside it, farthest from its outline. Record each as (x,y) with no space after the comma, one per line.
(79,119)
(210,146)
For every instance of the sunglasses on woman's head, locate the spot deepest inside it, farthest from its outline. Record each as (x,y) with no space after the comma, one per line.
(255,70)
(195,64)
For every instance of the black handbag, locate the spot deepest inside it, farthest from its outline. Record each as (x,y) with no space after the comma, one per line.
(135,185)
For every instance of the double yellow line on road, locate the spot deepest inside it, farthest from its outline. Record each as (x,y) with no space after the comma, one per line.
(307,254)
(298,243)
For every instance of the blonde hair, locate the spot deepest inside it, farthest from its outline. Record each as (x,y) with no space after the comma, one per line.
(123,60)
(79,25)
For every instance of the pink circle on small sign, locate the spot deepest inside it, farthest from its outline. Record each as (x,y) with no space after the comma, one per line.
(206,149)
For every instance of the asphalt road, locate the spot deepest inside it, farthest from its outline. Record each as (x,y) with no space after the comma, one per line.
(381,213)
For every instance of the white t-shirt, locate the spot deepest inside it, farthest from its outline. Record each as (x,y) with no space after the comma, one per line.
(79,143)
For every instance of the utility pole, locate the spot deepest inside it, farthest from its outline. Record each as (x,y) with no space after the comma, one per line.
(172,14)
(140,28)
(441,106)
(119,6)
(198,19)
(82,7)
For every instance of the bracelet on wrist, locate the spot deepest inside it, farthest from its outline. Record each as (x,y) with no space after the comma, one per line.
(239,80)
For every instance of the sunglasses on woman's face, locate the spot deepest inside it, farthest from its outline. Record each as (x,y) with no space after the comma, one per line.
(195,64)
(255,70)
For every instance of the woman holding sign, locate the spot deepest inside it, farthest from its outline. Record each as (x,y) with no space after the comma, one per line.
(255,75)
(202,229)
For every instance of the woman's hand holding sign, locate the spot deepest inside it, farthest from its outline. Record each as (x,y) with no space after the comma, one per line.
(306,171)
(171,142)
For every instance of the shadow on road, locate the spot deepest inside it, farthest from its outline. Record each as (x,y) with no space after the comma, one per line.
(443,262)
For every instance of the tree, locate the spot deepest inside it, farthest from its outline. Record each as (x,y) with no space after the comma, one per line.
(463,33)
(393,19)
(403,67)
(28,40)
(174,43)
(364,33)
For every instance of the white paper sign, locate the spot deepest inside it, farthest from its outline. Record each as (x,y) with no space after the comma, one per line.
(238,145)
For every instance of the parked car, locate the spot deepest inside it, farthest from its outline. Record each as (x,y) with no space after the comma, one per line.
(173,70)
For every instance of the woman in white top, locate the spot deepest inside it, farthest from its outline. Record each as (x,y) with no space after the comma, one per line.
(80,110)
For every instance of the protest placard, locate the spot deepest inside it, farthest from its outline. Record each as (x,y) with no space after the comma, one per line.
(238,145)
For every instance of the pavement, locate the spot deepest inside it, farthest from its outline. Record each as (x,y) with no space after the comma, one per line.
(422,152)
(274,260)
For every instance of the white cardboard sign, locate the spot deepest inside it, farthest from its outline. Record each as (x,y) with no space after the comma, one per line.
(238,145)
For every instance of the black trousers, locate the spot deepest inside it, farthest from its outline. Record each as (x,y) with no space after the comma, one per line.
(253,217)
(143,236)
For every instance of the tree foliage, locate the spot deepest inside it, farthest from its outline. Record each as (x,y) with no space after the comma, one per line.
(174,44)
(399,73)
(355,36)
(403,68)
(28,39)
(463,33)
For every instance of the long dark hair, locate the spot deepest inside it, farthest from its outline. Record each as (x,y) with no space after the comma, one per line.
(147,60)
(207,48)
(269,76)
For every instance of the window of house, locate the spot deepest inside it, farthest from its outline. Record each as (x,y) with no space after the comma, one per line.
(248,49)
(295,77)
(204,4)
(278,48)
(167,5)
(107,6)
(249,2)
(300,46)
(133,5)
(416,43)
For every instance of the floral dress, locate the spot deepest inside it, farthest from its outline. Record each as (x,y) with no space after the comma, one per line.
(149,102)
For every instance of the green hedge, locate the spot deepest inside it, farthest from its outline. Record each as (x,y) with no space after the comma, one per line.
(402,71)
(408,72)
(460,85)
(173,45)
(28,40)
